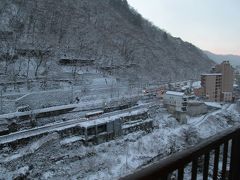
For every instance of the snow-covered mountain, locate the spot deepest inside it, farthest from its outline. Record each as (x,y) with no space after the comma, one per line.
(113,37)
(233,59)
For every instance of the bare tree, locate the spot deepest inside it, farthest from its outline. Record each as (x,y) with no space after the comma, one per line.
(127,50)
(75,70)
(44,82)
(41,55)
(9,58)
(190,135)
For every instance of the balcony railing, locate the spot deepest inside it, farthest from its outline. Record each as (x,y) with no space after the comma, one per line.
(223,147)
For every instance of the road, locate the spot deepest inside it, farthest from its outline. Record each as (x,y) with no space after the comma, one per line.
(205,117)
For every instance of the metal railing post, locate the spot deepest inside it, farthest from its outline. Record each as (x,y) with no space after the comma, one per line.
(162,169)
(234,173)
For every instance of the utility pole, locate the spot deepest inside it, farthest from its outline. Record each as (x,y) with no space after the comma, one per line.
(72,92)
(1,101)
(71,84)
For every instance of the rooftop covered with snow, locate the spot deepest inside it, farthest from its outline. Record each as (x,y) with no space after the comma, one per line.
(212,74)
(104,120)
(214,104)
(175,93)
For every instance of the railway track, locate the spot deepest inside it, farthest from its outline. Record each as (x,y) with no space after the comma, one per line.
(38,131)
(61,126)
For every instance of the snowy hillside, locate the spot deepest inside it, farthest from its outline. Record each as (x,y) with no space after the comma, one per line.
(42,38)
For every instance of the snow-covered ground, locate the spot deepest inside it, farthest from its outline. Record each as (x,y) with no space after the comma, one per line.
(67,158)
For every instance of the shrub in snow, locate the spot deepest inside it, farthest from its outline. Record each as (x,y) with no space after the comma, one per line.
(166,122)
(174,145)
(190,135)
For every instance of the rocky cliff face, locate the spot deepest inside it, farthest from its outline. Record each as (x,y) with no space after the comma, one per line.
(112,36)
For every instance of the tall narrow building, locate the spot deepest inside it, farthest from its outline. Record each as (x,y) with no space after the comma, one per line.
(212,84)
(227,71)
(218,85)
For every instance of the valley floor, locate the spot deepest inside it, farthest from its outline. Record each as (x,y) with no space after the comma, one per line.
(52,157)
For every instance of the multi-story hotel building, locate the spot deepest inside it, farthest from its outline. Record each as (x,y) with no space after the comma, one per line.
(211,84)
(218,85)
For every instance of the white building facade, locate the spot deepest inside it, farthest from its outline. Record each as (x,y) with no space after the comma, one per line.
(176,103)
